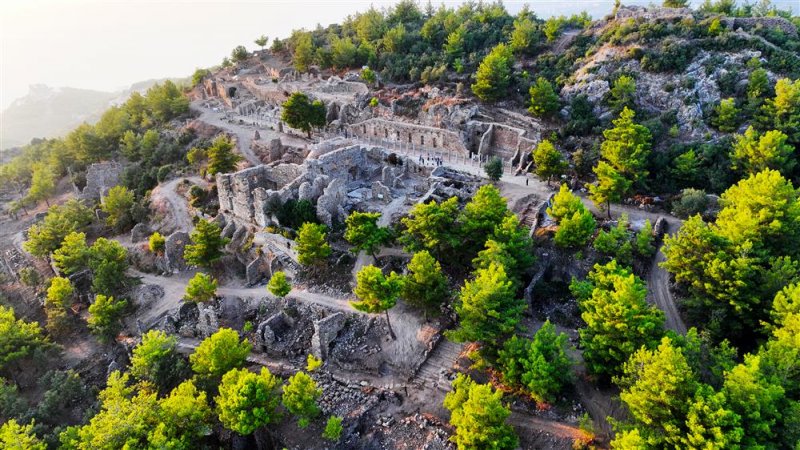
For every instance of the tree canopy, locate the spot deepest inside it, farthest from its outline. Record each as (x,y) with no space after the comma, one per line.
(207,244)
(494,74)
(247,401)
(301,113)
(219,353)
(478,414)
(312,244)
(618,318)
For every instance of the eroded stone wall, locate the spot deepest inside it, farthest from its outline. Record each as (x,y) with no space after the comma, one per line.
(410,134)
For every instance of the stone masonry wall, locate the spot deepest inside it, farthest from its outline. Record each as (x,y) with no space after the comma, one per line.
(406,133)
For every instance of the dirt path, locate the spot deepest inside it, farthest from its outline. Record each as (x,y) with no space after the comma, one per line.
(529,425)
(175,287)
(658,293)
(564,40)
(178,217)
(243,131)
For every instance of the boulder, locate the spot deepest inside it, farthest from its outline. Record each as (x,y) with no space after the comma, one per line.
(174,248)
(207,320)
(140,232)
(257,270)
(232,312)
(145,295)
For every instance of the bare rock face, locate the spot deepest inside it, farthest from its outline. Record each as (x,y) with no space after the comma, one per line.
(140,232)
(257,270)
(146,295)
(232,312)
(207,320)
(174,248)
(325,331)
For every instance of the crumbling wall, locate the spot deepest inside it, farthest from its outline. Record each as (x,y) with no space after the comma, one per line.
(495,139)
(225,90)
(437,139)
(100,177)
(244,193)
(326,181)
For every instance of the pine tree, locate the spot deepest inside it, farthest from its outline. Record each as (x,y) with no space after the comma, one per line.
(43,184)
(478,414)
(564,204)
(377,293)
(364,233)
(247,401)
(575,231)
(278,285)
(618,319)
(487,307)
(431,226)
(544,101)
(753,153)
(201,288)
(105,315)
(657,386)
(425,286)
(726,115)
(549,161)
(493,76)
(117,205)
(300,397)
(301,113)
(207,244)
(312,245)
(219,353)
(73,255)
(221,158)
(627,146)
(611,186)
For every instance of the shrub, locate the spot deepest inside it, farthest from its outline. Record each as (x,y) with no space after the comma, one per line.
(691,202)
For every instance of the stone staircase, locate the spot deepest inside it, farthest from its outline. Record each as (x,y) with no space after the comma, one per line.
(440,363)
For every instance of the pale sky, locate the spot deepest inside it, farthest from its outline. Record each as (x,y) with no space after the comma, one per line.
(108,45)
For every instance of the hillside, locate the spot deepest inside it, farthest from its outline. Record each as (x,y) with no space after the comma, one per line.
(47,112)
(445,228)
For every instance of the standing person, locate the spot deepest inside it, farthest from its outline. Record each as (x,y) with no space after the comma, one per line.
(526,181)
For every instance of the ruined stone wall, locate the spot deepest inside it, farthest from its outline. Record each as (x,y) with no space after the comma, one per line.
(100,177)
(247,195)
(244,194)
(269,93)
(410,134)
(748,23)
(495,139)
(222,90)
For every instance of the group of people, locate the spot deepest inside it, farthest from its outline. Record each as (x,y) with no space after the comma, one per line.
(434,160)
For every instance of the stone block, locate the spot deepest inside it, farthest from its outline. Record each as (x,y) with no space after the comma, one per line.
(174,248)
(325,331)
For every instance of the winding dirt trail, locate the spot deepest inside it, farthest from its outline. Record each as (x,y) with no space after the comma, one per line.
(658,293)
(177,217)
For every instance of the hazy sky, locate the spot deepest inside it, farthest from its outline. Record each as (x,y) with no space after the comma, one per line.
(108,45)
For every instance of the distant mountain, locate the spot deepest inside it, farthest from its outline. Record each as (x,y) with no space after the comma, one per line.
(48,112)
